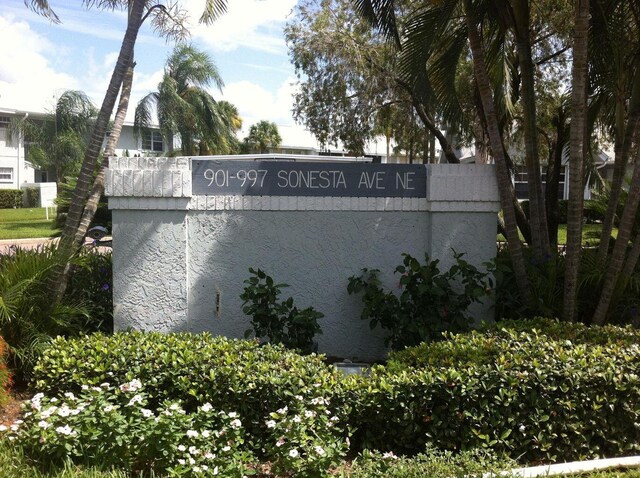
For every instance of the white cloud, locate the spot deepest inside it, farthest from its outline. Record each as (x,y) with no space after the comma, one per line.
(255,24)
(27,79)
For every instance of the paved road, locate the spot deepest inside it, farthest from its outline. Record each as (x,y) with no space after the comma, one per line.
(7,244)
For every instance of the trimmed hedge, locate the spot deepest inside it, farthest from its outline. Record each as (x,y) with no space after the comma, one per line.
(532,396)
(10,198)
(32,197)
(232,375)
(5,375)
(535,391)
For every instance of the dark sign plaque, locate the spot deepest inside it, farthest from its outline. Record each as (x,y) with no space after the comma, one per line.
(212,177)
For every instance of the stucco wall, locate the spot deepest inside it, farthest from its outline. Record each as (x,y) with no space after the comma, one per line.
(180,261)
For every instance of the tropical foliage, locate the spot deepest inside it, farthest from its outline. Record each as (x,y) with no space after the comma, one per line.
(262,136)
(186,108)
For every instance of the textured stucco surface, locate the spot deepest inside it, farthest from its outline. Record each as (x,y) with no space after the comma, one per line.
(175,254)
(150,270)
(315,253)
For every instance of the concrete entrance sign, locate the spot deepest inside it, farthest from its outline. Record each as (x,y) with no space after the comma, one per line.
(185,233)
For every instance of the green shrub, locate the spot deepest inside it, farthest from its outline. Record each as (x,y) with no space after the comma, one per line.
(281,322)
(5,375)
(10,198)
(431,302)
(29,318)
(232,375)
(92,284)
(433,464)
(525,394)
(32,197)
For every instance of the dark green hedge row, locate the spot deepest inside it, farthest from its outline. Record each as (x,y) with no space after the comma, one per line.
(569,394)
(593,210)
(10,198)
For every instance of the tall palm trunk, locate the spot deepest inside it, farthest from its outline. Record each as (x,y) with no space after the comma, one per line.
(577,135)
(98,184)
(505,185)
(619,251)
(538,217)
(625,137)
(85,178)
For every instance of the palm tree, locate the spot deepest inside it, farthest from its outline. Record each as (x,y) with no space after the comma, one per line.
(183,104)
(169,21)
(58,143)
(228,143)
(262,136)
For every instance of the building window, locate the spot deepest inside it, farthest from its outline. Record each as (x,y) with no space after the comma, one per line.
(152,142)
(4,121)
(6,174)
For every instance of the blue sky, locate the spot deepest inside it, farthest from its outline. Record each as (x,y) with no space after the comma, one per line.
(40,60)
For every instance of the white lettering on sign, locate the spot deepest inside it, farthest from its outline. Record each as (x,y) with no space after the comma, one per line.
(404,180)
(311,179)
(372,180)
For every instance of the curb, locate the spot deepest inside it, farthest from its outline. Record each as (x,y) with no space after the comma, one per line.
(571,468)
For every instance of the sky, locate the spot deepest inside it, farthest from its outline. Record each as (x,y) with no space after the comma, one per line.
(40,60)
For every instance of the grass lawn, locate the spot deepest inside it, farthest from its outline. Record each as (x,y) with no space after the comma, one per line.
(26,223)
(590,234)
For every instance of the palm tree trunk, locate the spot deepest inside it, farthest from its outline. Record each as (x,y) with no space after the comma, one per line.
(622,149)
(619,251)
(98,184)
(85,178)
(505,185)
(540,236)
(447,149)
(579,85)
(632,258)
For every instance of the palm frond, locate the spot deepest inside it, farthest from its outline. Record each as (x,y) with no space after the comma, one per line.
(41,7)
(381,15)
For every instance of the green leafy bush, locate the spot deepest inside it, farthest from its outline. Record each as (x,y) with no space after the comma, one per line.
(232,375)
(432,464)
(531,396)
(5,375)
(281,322)
(111,426)
(10,198)
(29,319)
(32,197)
(431,302)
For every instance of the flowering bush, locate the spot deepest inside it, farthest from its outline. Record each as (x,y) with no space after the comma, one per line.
(305,439)
(113,427)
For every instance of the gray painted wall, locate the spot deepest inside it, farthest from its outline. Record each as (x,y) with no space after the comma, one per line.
(174,254)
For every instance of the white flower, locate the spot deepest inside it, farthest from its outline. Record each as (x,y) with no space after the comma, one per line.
(181,461)
(192,434)
(48,412)
(206,407)
(70,395)
(206,433)
(389,454)
(297,419)
(75,411)
(96,389)
(135,399)
(293,453)
(309,414)
(271,423)
(280,441)
(108,408)
(215,470)
(209,455)
(64,411)
(65,430)
(19,422)
(192,461)
(204,467)
(521,428)
(282,411)
(3,428)
(131,386)
(54,400)
(174,406)
(334,418)
(193,450)
(226,448)
(233,415)
(182,448)
(106,386)
(196,469)
(84,387)
(37,397)
(44,424)
(146,413)
(14,427)
(319,450)
(235,423)
(298,397)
